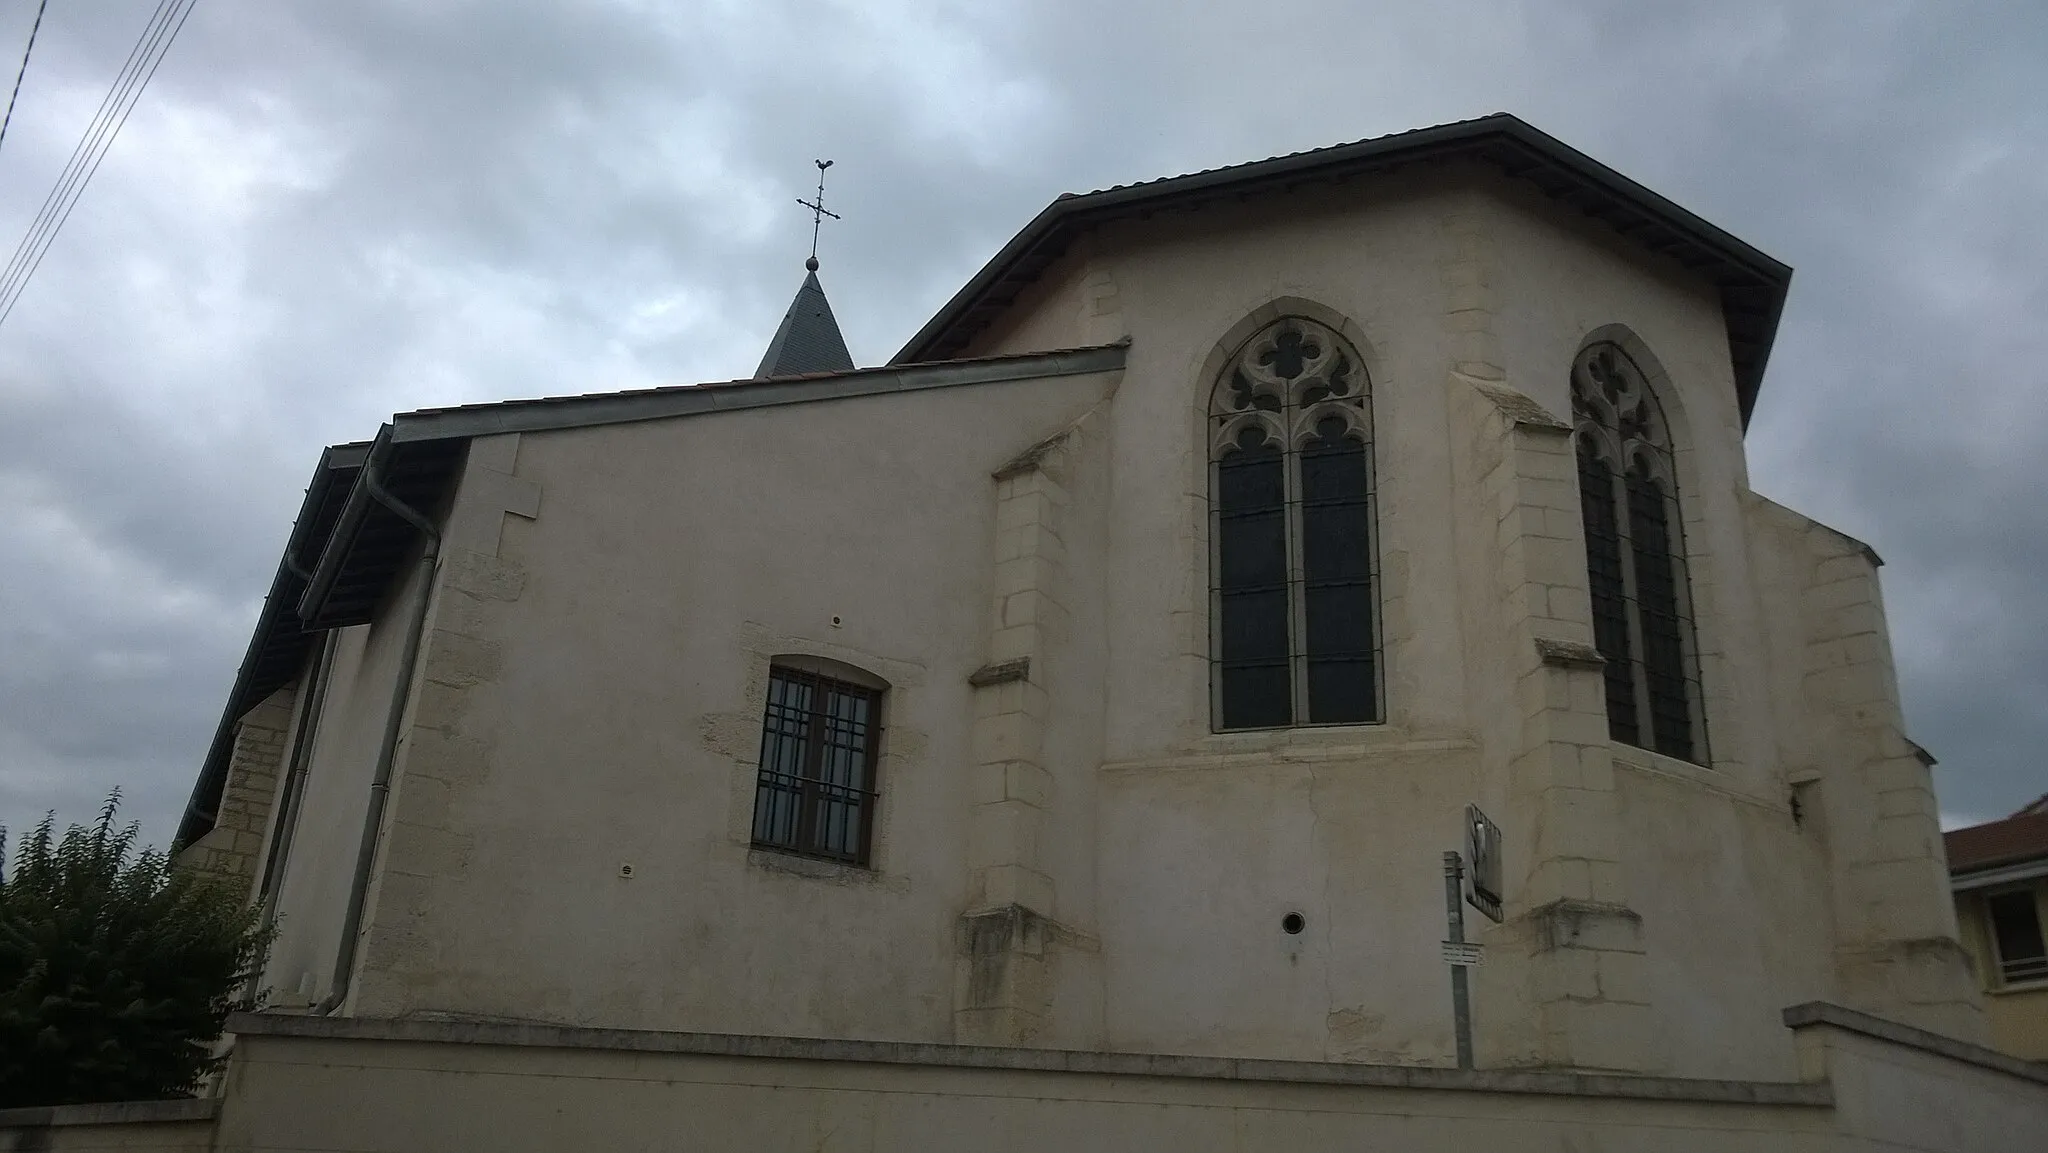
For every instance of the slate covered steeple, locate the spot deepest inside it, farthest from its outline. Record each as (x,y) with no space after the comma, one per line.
(809,339)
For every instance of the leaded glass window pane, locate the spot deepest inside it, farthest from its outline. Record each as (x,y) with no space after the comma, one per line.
(1635,558)
(1295,635)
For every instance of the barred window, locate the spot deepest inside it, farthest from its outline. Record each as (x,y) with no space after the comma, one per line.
(1635,558)
(1294,560)
(816,792)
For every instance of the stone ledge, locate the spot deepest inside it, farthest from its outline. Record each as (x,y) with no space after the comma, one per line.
(111,1113)
(1001,673)
(1569,654)
(1536,1082)
(1816,1014)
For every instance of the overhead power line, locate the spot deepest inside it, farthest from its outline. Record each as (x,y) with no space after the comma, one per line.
(157,36)
(25,53)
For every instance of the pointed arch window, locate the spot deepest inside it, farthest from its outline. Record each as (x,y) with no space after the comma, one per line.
(1635,557)
(1294,571)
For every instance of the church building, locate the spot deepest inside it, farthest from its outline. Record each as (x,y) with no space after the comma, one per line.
(1053,737)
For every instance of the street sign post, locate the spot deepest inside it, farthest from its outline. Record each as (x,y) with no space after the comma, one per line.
(1481,886)
(1454,952)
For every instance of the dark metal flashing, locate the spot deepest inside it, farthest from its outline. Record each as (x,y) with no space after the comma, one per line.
(278,648)
(1752,285)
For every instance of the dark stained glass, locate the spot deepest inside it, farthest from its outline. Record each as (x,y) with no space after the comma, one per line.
(1294,629)
(1609,591)
(1336,545)
(1251,584)
(1658,609)
(816,793)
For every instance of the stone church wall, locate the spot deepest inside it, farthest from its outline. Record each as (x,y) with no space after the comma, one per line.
(571,816)
(1065,855)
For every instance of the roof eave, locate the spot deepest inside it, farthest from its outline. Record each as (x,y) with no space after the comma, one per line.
(1052,225)
(337,463)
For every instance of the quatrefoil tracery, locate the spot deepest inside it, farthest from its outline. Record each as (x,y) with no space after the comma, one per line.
(1287,381)
(1616,415)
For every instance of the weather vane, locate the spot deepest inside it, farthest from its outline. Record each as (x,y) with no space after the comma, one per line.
(818,213)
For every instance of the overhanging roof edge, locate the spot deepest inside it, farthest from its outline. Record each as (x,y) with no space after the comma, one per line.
(1072,210)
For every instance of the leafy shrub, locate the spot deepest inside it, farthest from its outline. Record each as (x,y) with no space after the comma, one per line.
(116,971)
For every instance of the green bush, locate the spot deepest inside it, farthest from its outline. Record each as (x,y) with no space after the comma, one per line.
(116,971)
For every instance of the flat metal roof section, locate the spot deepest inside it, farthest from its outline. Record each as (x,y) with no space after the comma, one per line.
(1752,285)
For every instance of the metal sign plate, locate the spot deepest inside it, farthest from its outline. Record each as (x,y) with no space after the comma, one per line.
(1482,851)
(1463,952)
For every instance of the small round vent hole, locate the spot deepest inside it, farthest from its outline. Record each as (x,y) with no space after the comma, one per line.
(1293,923)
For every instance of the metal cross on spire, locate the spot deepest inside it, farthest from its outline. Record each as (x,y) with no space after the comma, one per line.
(818,213)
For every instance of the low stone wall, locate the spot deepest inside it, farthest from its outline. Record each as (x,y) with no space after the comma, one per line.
(362,1084)
(158,1126)
(1897,1087)
(299,1082)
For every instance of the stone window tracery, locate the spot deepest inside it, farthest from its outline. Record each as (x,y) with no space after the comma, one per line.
(1294,621)
(1635,557)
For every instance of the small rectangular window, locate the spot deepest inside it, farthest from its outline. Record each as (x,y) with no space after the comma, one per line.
(816,792)
(2016,933)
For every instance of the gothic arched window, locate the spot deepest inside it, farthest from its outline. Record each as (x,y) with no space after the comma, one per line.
(1294,631)
(1635,557)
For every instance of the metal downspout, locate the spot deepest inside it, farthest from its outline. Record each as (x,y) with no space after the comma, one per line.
(380,784)
(292,799)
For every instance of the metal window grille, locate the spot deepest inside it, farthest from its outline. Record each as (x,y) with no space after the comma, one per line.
(816,792)
(1294,561)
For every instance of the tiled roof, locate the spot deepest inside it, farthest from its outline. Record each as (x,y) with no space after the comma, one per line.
(2021,837)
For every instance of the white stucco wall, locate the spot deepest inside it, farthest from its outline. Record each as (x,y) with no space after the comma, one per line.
(313,897)
(611,702)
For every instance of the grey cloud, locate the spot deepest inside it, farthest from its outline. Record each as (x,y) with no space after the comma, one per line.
(323,213)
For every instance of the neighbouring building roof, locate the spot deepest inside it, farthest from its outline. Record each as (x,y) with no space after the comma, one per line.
(2019,838)
(1752,285)
(808,339)
(346,548)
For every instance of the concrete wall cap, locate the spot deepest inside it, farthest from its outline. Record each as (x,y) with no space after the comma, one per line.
(1824,1014)
(1528,1081)
(111,1113)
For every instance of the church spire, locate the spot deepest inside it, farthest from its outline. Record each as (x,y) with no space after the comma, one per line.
(808,339)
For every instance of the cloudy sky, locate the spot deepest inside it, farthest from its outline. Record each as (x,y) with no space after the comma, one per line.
(323,213)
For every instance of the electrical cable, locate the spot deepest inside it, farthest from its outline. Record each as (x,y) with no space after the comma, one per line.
(25,54)
(143,60)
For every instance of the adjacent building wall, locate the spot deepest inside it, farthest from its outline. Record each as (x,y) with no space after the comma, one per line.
(2015,1016)
(233,848)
